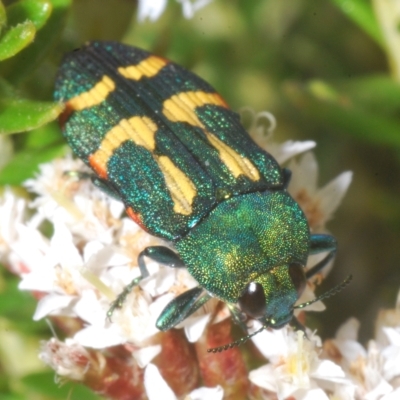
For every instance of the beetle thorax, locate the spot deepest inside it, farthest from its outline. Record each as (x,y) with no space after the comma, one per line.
(244,238)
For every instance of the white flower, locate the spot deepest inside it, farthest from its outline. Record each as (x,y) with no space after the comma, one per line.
(189,7)
(261,126)
(152,9)
(375,371)
(90,258)
(317,204)
(295,368)
(12,212)
(387,318)
(157,388)
(68,359)
(86,211)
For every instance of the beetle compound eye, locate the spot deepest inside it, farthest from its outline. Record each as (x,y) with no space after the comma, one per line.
(252,301)
(296,272)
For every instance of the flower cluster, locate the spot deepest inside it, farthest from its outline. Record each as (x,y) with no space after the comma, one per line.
(90,254)
(152,9)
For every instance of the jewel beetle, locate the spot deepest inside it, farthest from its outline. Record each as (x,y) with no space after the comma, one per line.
(165,143)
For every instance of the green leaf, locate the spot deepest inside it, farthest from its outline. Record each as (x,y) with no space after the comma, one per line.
(16,39)
(388,14)
(337,111)
(6,90)
(361,12)
(44,384)
(46,135)
(17,307)
(24,115)
(25,164)
(3,17)
(379,94)
(36,11)
(18,69)
(13,396)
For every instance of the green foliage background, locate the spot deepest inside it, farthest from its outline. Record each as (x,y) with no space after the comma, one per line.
(324,68)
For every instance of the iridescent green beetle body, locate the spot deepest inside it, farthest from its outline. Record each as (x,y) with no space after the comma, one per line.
(253,237)
(166,144)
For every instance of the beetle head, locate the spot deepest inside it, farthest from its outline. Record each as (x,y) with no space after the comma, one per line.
(270,297)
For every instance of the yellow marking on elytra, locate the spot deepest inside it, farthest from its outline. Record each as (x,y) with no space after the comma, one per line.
(149,67)
(97,94)
(237,164)
(181,108)
(181,188)
(141,130)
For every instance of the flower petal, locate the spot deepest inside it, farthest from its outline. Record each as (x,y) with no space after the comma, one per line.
(189,7)
(145,355)
(264,377)
(304,175)
(151,9)
(395,395)
(332,194)
(206,393)
(194,327)
(51,303)
(381,389)
(156,387)
(271,343)
(327,369)
(291,149)
(348,330)
(99,337)
(313,394)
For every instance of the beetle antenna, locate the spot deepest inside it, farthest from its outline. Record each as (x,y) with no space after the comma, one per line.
(236,343)
(297,324)
(338,288)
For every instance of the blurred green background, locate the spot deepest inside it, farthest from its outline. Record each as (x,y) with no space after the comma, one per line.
(327,69)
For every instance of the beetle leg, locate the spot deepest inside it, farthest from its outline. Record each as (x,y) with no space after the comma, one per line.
(318,244)
(181,307)
(161,254)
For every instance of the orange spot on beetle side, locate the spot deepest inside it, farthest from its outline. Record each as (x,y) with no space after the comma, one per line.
(222,100)
(135,217)
(65,115)
(98,167)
